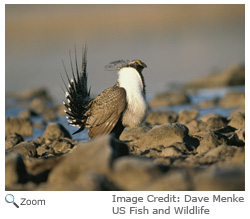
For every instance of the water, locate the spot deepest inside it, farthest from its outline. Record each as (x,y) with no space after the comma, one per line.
(195,98)
(205,95)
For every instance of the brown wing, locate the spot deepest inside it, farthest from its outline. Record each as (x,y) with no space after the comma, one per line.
(105,111)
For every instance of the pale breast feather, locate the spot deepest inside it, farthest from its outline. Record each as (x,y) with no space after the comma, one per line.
(131,81)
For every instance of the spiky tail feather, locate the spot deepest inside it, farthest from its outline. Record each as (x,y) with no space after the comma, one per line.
(77,93)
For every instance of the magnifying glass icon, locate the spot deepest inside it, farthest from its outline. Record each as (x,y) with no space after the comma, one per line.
(10,199)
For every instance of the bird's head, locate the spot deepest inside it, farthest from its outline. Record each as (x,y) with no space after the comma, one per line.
(119,64)
(137,64)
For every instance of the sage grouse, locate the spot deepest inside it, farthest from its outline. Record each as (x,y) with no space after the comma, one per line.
(117,107)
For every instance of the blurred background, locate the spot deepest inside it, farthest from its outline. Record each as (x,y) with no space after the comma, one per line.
(177,42)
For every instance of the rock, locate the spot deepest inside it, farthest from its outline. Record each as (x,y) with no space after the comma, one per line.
(221,151)
(177,149)
(165,161)
(19,125)
(161,117)
(38,169)
(55,131)
(92,158)
(210,140)
(235,99)
(12,139)
(182,147)
(240,136)
(171,151)
(36,166)
(29,186)
(165,135)
(27,113)
(49,114)
(134,133)
(86,182)
(25,149)
(34,93)
(227,178)
(237,120)
(133,173)
(214,121)
(186,116)
(15,171)
(233,139)
(174,180)
(38,105)
(61,187)
(232,76)
(45,150)
(169,99)
(236,138)
(232,100)
(196,126)
(61,145)
(239,156)
(227,130)
(209,122)
(152,152)
(209,103)
(206,117)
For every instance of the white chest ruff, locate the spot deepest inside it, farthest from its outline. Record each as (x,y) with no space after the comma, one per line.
(136,110)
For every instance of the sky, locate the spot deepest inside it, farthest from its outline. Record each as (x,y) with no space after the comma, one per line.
(177,42)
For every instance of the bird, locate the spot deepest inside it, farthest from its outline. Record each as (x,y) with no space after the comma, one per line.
(116,108)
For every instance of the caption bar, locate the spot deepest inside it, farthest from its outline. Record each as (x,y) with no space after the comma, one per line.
(143,205)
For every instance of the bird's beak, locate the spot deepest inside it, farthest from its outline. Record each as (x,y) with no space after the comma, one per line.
(144,65)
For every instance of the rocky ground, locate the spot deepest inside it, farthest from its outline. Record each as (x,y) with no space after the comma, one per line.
(170,151)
